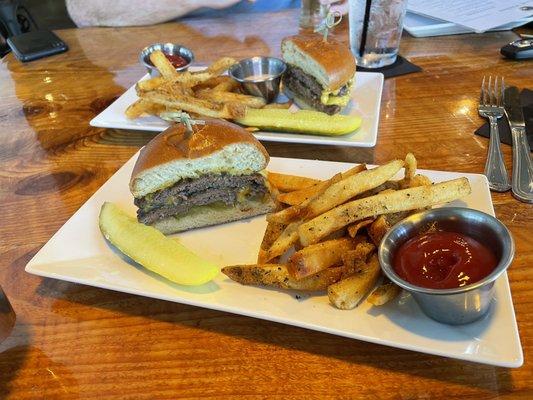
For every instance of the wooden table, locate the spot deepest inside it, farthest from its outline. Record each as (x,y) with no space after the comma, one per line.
(74,341)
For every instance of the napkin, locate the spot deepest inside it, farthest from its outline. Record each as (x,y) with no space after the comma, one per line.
(400,67)
(526,99)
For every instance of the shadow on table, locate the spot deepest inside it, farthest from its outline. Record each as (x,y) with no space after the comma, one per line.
(352,351)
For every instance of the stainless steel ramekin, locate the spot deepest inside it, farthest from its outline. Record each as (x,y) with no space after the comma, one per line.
(167,48)
(259,76)
(451,306)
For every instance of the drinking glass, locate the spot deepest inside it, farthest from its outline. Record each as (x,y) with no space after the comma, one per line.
(311,14)
(375,31)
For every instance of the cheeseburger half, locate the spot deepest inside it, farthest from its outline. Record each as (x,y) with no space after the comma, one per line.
(210,176)
(319,74)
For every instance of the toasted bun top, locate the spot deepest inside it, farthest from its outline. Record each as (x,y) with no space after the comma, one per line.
(331,62)
(214,148)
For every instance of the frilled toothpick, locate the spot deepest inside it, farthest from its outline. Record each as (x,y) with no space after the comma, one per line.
(330,20)
(181,118)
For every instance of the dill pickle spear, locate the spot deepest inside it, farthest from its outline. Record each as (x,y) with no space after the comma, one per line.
(153,250)
(301,121)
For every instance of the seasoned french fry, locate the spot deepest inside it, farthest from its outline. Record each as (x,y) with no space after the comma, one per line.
(351,186)
(348,292)
(279,105)
(384,293)
(149,84)
(292,213)
(355,260)
(383,223)
(289,183)
(318,257)
(277,275)
(402,200)
(410,169)
(136,109)
(287,239)
(354,228)
(221,97)
(226,85)
(197,106)
(272,232)
(142,106)
(220,65)
(299,196)
(165,68)
(420,180)
(251,129)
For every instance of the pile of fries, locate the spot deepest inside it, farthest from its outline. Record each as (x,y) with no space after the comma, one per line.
(325,234)
(207,93)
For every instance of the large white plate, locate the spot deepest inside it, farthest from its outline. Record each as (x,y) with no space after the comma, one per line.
(365,102)
(78,253)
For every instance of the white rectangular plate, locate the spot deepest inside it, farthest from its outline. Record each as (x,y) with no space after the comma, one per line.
(78,253)
(365,102)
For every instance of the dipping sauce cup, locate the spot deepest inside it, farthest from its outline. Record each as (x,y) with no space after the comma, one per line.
(259,76)
(171,49)
(463,304)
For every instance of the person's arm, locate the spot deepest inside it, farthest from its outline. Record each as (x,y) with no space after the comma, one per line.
(135,12)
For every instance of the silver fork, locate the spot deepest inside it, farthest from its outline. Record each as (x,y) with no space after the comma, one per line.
(491,107)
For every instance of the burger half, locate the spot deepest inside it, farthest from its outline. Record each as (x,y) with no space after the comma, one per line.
(319,74)
(213,175)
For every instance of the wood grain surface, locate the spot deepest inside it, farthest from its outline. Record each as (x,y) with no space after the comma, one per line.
(74,341)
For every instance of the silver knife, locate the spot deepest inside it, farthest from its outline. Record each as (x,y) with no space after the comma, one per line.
(522,184)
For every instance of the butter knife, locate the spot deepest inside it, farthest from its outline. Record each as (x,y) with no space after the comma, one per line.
(522,179)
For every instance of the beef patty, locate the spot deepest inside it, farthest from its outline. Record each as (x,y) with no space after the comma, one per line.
(188,193)
(308,89)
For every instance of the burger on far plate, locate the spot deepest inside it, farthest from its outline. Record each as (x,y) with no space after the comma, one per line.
(215,174)
(320,74)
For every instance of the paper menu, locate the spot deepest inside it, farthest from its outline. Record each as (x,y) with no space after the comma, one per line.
(478,15)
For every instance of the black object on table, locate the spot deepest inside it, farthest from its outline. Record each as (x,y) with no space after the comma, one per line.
(400,67)
(526,99)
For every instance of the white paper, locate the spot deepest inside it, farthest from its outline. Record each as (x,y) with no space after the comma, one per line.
(478,15)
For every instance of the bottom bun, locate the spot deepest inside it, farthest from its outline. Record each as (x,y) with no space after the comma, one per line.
(209,215)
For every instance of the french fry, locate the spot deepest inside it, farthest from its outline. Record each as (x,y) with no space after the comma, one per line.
(354,228)
(149,84)
(350,187)
(383,223)
(299,196)
(251,129)
(318,257)
(401,200)
(272,232)
(348,292)
(211,83)
(293,212)
(287,239)
(355,260)
(220,66)
(135,110)
(165,68)
(384,293)
(197,106)
(277,275)
(289,183)
(279,105)
(142,106)
(226,85)
(222,97)
(410,170)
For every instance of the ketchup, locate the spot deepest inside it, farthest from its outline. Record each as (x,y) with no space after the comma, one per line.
(176,60)
(443,260)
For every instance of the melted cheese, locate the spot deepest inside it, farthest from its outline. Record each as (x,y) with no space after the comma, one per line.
(330,97)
